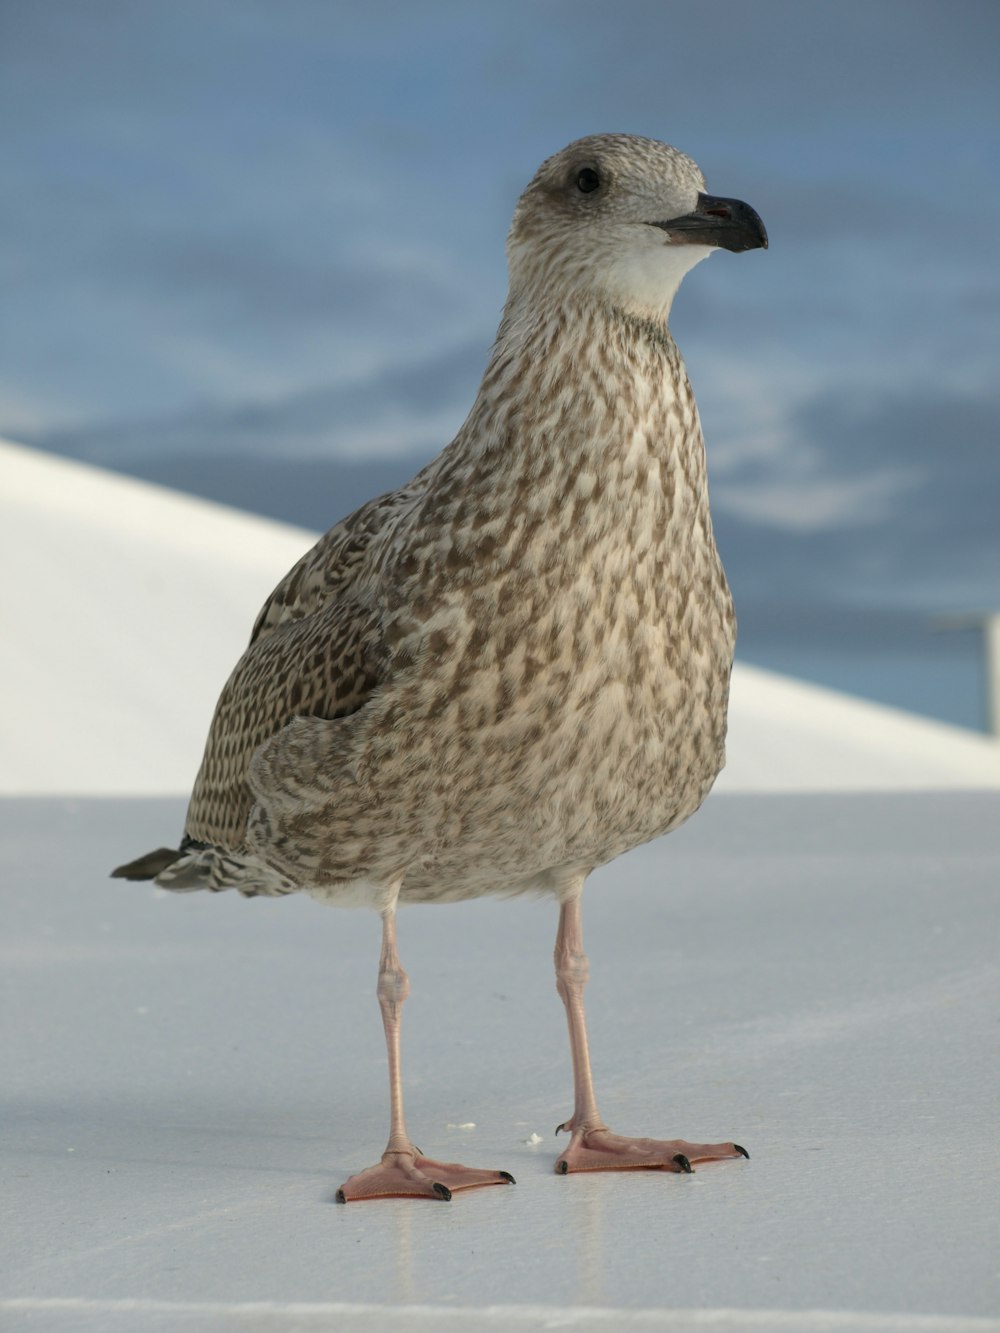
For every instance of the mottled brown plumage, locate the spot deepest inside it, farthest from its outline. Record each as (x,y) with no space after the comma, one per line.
(515,668)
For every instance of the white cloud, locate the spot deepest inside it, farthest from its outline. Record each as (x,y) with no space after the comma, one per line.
(809,504)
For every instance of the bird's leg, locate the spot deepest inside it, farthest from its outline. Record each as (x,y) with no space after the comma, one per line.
(392,990)
(572,974)
(403,1169)
(592,1146)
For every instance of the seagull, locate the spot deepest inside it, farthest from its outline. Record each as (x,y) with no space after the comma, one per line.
(516,667)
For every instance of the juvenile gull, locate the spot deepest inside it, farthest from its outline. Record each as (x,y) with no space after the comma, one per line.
(516,667)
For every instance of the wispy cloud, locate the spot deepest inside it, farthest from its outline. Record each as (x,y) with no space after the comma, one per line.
(812,503)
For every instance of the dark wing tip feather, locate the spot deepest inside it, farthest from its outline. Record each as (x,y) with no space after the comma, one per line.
(148,866)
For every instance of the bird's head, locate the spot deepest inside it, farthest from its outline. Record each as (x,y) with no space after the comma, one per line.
(620,219)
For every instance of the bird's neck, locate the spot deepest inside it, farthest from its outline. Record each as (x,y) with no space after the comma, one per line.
(565,331)
(581,461)
(585,386)
(583,446)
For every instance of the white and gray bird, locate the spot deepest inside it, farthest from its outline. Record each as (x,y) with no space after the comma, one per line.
(516,667)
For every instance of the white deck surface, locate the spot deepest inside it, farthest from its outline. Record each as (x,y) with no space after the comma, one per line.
(187,1080)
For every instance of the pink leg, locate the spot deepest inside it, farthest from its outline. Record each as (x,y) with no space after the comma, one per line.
(592,1146)
(403,1169)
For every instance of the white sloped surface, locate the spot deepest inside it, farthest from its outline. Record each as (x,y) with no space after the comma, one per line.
(786,735)
(125,606)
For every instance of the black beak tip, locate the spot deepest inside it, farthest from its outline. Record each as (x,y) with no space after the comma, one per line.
(742,229)
(761,237)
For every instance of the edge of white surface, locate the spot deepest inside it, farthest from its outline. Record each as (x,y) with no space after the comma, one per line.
(419,1318)
(866,746)
(141,508)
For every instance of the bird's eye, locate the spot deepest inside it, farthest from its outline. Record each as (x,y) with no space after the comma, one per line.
(587,180)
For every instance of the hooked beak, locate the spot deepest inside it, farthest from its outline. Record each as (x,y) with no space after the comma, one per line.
(727,223)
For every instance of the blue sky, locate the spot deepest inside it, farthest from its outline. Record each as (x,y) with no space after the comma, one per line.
(257,237)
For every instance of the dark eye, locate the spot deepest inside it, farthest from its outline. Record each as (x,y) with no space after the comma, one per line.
(587,180)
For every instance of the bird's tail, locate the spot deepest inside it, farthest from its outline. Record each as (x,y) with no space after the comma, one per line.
(199,865)
(148,866)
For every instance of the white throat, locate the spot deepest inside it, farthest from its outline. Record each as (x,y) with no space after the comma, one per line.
(644,281)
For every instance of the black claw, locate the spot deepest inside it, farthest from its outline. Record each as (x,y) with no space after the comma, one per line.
(341,1196)
(684,1164)
(418,1151)
(442,1191)
(561,1129)
(505,1175)
(742,1151)
(562,1168)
